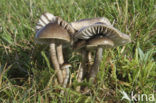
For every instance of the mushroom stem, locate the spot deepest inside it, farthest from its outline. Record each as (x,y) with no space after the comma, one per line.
(90,63)
(95,66)
(65,79)
(55,62)
(65,71)
(89,58)
(60,54)
(81,71)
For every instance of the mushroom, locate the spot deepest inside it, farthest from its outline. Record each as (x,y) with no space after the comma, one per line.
(77,25)
(57,33)
(98,37)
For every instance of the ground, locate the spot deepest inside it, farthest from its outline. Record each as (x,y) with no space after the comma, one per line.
(26,73)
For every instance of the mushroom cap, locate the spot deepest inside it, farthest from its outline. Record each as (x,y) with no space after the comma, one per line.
(65,24)
(77,25)
(52,28)
(94,43)
(53,32)
(99,42)
(102,31)
(45,19)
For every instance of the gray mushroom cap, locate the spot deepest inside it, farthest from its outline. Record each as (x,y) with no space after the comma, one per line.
(99,42)
(94,43)
(45,19)
(65,24)
(98,32)
(52,33)
(77,25)
(58,31)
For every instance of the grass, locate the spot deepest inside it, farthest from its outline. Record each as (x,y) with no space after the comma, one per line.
(26,74)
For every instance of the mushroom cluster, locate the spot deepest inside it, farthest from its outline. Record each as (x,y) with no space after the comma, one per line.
(84,36)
